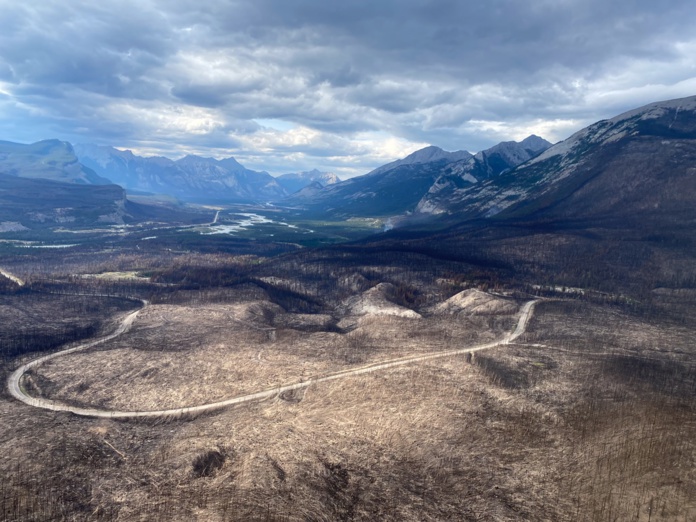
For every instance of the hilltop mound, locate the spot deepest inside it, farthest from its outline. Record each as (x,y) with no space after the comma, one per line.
(475,302)
(374,302)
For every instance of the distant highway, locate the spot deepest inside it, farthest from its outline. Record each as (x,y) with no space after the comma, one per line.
(15,388)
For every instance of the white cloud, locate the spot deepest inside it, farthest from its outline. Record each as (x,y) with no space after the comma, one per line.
(292,86)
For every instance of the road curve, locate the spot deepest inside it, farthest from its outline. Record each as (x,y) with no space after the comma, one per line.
(13,382)
(12,277)
(525,315)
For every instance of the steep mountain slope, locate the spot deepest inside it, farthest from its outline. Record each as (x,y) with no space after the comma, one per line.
(310,190)
(190,178)
(40,203)
(486,164)
(32,204)
(404,185)
(379,193)
(298,180)
(637,167)
(610,211)
(48,159)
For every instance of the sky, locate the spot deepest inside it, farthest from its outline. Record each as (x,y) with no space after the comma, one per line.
(292,85)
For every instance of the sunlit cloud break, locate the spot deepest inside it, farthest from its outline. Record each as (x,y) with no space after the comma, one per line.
(294,86)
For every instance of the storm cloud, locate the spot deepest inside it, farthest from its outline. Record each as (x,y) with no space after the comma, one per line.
(287,86)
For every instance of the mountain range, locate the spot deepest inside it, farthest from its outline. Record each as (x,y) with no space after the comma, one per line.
(635,167)
(191,178)
(194,178)
(611,208)
(48,159)
(483,166)
(415,182)
(402,186)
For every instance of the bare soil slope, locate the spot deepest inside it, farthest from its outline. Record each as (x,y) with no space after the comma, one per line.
(590,413)
(182,355)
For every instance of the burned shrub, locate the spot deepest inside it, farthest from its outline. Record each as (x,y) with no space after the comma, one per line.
(209,462)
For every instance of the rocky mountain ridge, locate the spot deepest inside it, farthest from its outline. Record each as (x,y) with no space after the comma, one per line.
(484,165)
(636,163)
(413,183)
(639,163)
(428,154)
(192,178)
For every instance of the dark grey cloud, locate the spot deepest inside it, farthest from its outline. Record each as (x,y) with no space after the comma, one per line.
(353,83)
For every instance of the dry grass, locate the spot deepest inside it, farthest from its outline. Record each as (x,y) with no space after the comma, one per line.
(570,424)
(180,356)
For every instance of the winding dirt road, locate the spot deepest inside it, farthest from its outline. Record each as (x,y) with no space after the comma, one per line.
(16,390)
(12,277)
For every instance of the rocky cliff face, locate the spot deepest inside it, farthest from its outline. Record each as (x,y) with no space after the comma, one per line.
(445,192)
(640,165)
(48,159)
(422,182)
